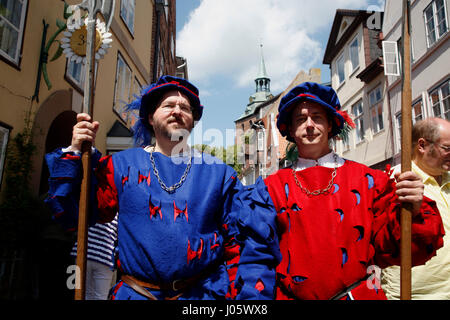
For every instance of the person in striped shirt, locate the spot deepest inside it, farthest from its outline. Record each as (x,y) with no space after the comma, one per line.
(100,265)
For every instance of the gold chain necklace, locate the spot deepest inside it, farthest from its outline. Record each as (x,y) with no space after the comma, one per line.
(319,191)
(172,188)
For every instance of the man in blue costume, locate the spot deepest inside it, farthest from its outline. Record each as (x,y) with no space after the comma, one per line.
(188,229)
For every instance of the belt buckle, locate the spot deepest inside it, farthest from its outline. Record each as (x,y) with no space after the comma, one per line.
(173,285)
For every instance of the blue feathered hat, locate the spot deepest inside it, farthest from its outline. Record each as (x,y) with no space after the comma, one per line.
(149,98)
(323,95)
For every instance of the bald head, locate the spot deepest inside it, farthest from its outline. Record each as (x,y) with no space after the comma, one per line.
(430,142)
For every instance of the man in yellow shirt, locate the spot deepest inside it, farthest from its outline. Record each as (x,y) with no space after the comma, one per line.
(431,161)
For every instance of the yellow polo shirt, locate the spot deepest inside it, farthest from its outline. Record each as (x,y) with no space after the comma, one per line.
(432,280)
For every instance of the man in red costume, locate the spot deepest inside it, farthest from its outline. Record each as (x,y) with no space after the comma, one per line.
(336,217)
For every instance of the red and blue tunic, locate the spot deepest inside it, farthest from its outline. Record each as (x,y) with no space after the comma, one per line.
(212,220)
(329,241)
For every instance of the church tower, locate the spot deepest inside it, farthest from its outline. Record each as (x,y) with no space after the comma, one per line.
(262,81)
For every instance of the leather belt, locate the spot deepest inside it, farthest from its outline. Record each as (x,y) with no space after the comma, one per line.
(176,286)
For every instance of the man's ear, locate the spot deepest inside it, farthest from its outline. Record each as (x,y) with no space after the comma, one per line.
(421,145)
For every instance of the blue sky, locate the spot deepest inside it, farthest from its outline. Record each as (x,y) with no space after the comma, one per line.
(221,41)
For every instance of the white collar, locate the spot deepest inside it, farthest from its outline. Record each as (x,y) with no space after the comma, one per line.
(325,161)
(192,151)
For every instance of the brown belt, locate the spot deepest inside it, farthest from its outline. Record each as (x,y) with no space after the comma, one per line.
(177,285)
(139,286)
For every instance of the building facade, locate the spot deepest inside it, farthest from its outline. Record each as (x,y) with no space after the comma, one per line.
(430,56)
(355,58)
(142,48)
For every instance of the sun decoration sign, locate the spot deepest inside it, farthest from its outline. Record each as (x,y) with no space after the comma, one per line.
(75,38)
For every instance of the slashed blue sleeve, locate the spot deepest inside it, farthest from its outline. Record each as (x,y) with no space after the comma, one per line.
(65,170)
(252,250)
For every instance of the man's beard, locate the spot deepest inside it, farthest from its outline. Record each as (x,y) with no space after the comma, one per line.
(177,134)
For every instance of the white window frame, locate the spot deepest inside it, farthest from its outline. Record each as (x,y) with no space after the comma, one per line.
(350,53)
(435,21)
(398,125)
(3,145)
(338,60)
(127,13)
(71,65)
(415,115)
(376,122)
(122,92)
(17,54)
(445,114)
(390,50)
(358,117)
(260,140)
(79,83)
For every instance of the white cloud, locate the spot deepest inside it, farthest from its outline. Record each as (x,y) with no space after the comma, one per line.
(222,37)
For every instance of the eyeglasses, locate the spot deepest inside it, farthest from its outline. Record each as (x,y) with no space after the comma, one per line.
(185,108)
(443,147)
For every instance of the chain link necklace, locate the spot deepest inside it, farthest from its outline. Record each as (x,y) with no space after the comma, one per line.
(170,189)
(319,191)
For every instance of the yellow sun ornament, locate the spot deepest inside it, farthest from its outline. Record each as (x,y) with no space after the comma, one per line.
(74,42)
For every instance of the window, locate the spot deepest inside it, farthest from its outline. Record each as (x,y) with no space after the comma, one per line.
(340,69)
(12,20)
(398,122)
(400,52)
(417,111)
(440,100)
(4,136)
(76,73)
(123,87)
(391,57)
(260,141)
(133,116)
(435,16)
(127,13)
(376,109)
(354,54)
(358,113)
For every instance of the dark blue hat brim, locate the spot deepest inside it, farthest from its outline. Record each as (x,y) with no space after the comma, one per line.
(284,116)
(150,100)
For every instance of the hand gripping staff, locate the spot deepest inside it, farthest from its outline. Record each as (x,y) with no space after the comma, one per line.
(93,8)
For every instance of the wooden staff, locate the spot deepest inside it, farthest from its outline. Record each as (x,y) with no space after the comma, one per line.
(84,205)
(106,9)
(405,220)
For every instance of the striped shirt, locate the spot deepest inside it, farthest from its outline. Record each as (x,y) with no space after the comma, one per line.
(102,240)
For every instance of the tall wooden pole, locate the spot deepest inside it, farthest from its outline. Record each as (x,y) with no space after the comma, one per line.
(84,205)
(405,220)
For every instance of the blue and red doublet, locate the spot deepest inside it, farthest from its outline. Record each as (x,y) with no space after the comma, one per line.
(329,241)
(211,221)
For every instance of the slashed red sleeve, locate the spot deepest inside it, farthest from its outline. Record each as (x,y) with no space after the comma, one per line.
(426,230)
(106,192)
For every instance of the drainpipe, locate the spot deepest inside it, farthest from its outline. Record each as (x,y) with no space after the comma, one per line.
(159,5)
